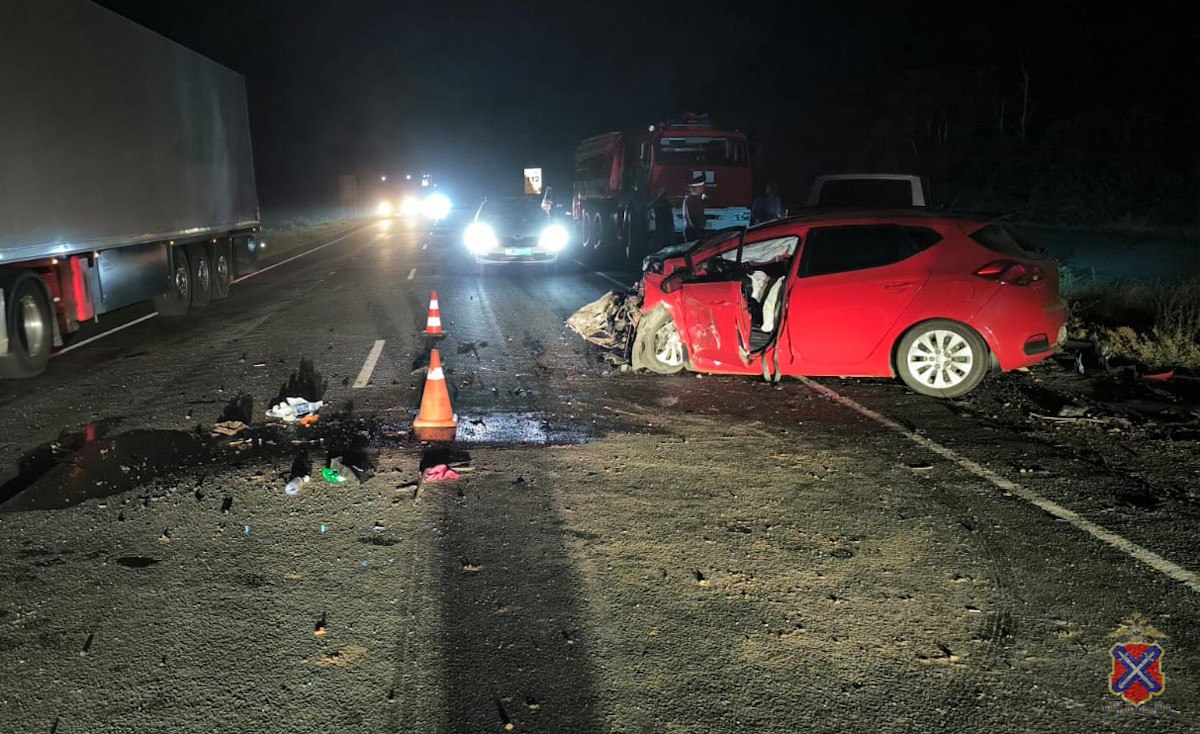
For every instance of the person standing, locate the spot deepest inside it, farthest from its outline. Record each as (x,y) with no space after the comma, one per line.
(694,222)
(767,205)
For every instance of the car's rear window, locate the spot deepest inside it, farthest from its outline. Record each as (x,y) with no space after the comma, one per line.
(1007,241)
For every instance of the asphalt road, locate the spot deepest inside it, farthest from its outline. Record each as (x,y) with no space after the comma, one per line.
(622,553)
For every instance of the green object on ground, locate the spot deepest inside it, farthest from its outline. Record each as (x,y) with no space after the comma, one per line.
(332,476)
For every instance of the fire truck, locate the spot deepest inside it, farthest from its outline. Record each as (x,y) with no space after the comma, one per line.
(629,187)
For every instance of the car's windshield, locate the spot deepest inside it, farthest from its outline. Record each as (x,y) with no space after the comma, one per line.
(513,213)
(702,151)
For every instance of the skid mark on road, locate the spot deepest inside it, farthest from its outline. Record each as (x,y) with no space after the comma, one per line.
(1146,556)
(364,375)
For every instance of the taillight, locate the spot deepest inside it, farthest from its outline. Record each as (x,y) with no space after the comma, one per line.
(1011,272)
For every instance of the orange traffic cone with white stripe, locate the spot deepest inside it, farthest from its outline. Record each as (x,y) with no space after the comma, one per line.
(436,420)
(433,324)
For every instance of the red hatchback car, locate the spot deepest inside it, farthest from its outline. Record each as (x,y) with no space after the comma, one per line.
(938,300)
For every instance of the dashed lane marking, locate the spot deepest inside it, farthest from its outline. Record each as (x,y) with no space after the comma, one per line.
(1146,556)
(424,245)
(412,273)
(364,375)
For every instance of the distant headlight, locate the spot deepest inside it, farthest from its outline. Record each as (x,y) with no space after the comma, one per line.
(479,237)
(384,209)
(410,206)
(436,206)
(554,237)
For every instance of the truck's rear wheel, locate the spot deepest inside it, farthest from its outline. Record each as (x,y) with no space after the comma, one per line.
(178,297)
(585,228)
(27,316)
(222,267)
(635,230)
(599,235)
(202,275)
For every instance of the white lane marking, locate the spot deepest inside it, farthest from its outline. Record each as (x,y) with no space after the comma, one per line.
(412,273)
(1146,556)
(364,375)
(609,278)
(260,271)
(113,330)
(424,245)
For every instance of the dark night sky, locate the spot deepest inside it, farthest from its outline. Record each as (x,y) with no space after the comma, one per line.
(474,90)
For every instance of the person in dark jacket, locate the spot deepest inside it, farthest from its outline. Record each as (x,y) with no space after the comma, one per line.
(767,206)
(693,211)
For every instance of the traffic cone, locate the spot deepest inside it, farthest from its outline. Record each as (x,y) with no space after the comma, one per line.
(433,324)
(436,420)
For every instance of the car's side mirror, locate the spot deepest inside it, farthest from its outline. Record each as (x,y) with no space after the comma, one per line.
(674,281)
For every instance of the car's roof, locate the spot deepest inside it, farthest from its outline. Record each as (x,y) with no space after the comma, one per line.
(866,216)
(513,200)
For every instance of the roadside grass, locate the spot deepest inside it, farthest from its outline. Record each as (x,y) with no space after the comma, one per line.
(1156,325)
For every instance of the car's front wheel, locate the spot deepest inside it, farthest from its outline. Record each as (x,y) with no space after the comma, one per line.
(658,345)
(942,358)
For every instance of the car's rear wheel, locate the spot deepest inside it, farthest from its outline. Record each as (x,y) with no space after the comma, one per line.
(942,358)
(659,346)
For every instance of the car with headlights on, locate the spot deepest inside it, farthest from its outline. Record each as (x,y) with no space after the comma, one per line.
(515,229)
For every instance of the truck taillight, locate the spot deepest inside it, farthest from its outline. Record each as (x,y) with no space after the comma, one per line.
(1010,272)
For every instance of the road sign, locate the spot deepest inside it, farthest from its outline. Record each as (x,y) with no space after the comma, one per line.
(533,180)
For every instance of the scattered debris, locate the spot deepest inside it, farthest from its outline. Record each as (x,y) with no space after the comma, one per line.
(293,485)
(472,568)
(321,629)
(309,420)
(920,466)
(1160,376)
(439,473)
(333,476)
(228,428)
(289,410)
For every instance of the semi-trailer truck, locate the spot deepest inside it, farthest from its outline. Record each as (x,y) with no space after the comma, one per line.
(126,175)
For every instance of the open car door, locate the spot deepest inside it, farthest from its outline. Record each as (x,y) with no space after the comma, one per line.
(716,326)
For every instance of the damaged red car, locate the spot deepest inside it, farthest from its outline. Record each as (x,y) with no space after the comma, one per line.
(937,300)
